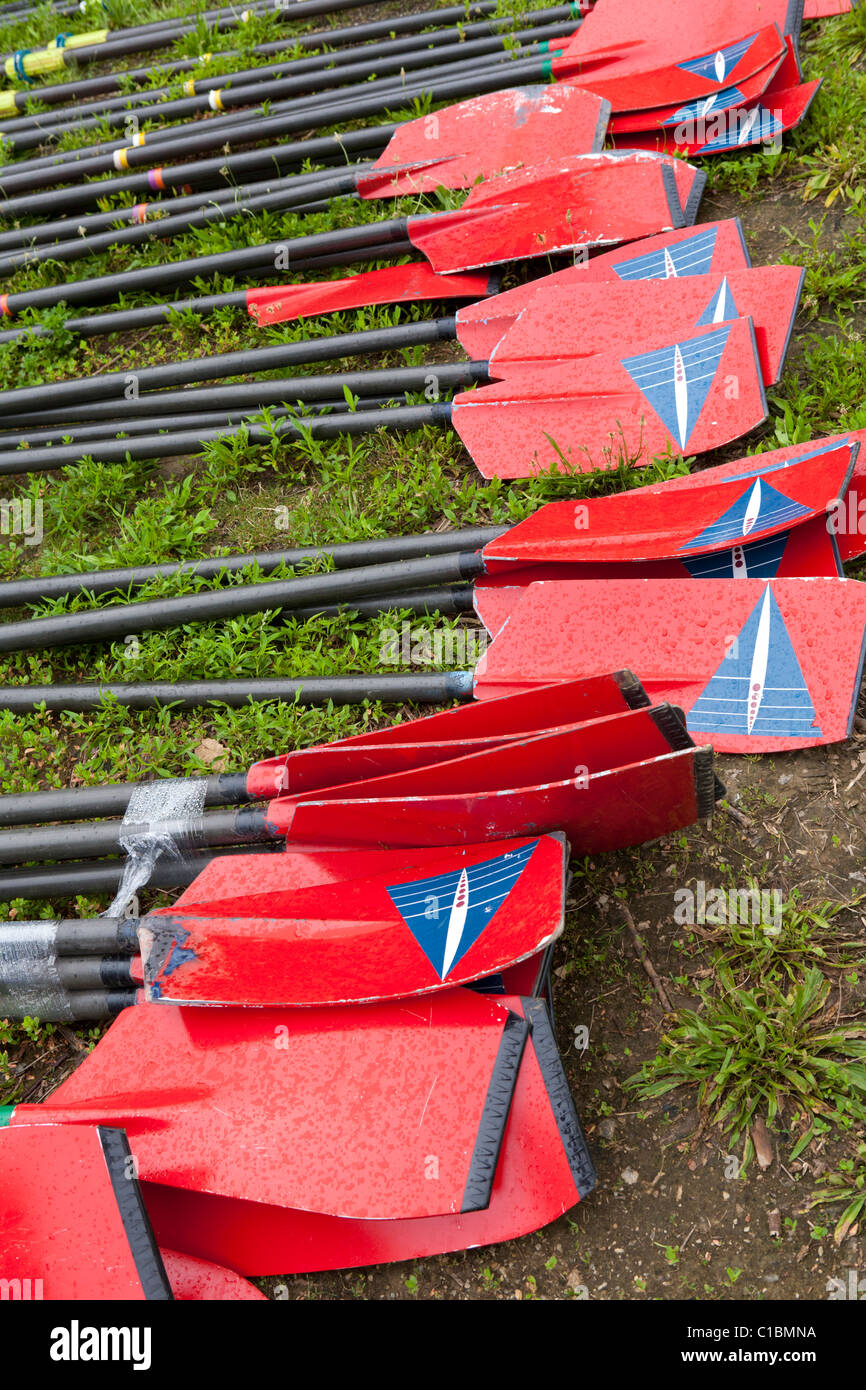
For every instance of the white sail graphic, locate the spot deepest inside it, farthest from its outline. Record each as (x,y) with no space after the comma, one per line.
(670,268)
(753,508)
(738,562)
(456,922)
(758,673)
(720,65)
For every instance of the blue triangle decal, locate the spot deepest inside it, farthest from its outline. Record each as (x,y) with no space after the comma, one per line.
(676,380)
(721,308)
(759,507)
(757,560)
(752,126)
(702,107)
(447,913)
(716,66)
(692,255)
(759,688)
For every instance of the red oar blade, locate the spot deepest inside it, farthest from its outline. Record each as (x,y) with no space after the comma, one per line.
(329,1110)
(590,200)
(827,9)
(747,90)
(708,249)
(762,123)
(544,1168)
(758,666)
(629,37)
(605,785)
(474,913)
(516,128)
(194,1280)
(685,524)
(807,550)
(582,320)
(73,1221)
(847,517)
(392,285)
(675,398)
(436,737)
(661,82)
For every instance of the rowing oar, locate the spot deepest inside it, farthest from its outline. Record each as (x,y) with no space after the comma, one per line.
(711,247)
(375,37)
(277,82)
(517,128)
(329,926)
(510,1108)
(297,1100)
(598,318)
(587,201)
(543,1167)
(684,527)
(478,769)
(395,747)
(534,422)
(277,303)
(639,775)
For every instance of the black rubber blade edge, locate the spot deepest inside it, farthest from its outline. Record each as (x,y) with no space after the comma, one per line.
(671,722)
(705,782)
(690,211)
(632,691)
(559,1094)
(494,1116)
(672,193)
(133,1214)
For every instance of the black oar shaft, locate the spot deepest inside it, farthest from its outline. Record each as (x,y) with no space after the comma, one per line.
(93,839)
(130,386)
(213,134)
(278,82)
(104,876)
(73,936)
(74,1006)
(126,320)
(436,688)
(276,254)
(86,803)
(226,169)
(15,593)
(122,620)
(188,443)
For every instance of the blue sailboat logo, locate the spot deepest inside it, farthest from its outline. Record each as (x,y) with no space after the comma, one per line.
(693,255)
(759,507)
(760,691)
(755,125)
(676,380)
(705,106)
(716,66)
(448,912)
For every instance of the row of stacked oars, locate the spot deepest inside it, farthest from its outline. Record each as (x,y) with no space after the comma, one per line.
(370,922)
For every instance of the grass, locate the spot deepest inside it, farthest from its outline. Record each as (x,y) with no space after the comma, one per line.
(766,1050)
